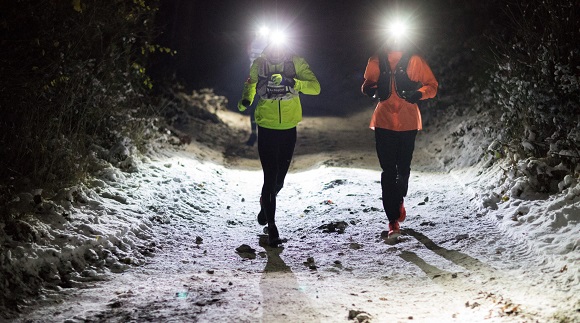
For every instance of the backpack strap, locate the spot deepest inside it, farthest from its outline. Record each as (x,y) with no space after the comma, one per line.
(402,80)
(404,62)
(384,82)
(289,68)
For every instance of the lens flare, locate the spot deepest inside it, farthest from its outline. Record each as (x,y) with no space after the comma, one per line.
(264,31)
(278,37)
(398,29)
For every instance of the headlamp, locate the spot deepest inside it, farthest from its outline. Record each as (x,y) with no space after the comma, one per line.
(398,29)
(278,38)
(264,31)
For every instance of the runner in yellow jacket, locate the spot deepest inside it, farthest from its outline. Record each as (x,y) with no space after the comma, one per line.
(276,113)
(278,78)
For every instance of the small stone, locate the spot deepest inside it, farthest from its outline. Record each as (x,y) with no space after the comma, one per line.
(338,226)
(355,246)
(310,263)
(359,316)
(198,240)
(246,252)
(210,271)
(245,249)
(352,314)
(363,317)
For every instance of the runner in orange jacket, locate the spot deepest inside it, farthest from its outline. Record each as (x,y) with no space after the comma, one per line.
(397,119)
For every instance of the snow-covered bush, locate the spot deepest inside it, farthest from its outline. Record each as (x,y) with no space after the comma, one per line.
(74,99)
(73,77)
(179,108)
(535,84)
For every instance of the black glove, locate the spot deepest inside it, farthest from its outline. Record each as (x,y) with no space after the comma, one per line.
(369,91)
(243,105)
(287,81)
(412,96)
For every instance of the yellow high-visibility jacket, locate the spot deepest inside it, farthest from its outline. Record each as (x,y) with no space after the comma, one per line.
(281,114)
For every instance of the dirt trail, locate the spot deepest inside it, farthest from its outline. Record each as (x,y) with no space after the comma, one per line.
(451,264)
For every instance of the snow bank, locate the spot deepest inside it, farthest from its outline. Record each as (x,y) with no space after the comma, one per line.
(82,234)
(531,199)
(548,223)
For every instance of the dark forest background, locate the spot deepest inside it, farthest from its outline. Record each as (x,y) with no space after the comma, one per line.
(335,37)
(80,77)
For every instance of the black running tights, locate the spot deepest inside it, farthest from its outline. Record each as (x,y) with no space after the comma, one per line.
(395,151)
(276,148)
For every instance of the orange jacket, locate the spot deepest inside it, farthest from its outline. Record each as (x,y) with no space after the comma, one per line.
(395,113)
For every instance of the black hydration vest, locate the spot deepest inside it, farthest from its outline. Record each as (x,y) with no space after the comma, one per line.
(402,80)
(267,89)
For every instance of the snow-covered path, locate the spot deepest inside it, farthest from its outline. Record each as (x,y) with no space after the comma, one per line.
(189,224)
(452,264)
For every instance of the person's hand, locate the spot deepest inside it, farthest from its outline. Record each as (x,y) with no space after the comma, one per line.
(243,105)
(369,91)
(278,79)
(412,96)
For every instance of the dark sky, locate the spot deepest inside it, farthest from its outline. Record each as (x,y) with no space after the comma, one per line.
(335,37)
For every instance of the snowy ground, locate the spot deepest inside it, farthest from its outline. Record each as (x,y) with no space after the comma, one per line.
(470,252)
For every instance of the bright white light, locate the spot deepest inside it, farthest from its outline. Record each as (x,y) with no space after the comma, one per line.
(398,29)
(264,31)
(278,37)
